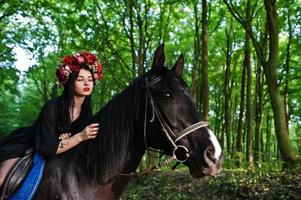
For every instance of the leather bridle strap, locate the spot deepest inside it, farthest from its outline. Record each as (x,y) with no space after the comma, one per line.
(190,129)
(180,152)
(165,127)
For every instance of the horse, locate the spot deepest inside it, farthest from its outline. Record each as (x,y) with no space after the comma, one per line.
(156,111)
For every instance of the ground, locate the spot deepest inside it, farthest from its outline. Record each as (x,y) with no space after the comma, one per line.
(231,184)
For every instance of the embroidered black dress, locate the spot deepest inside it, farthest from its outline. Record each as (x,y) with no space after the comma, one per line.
(42,135)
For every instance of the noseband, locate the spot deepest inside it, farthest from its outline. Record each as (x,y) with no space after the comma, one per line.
(180,152)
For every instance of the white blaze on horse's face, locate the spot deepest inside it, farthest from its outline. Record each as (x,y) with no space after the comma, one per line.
(216,145)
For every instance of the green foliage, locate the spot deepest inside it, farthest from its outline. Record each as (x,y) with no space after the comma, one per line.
(124,36)
(8,99)
(9,112)
(48,30)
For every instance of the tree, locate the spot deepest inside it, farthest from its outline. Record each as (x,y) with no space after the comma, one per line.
(247,63)
(227,86)
(196,53)
(269,65)
(205,86)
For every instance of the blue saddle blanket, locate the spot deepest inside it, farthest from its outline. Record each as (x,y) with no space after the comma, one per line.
(32,180)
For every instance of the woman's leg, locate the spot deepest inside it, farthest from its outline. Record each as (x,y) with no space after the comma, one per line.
(5,166)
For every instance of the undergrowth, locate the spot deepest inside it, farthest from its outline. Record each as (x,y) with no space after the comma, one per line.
(239,183)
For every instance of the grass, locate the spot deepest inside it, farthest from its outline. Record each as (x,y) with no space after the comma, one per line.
(230,184)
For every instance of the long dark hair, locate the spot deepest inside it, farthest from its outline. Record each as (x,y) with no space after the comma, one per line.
(66,104)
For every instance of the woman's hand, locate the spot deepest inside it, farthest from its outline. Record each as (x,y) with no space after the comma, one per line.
(90,132)
(67,142)
(64,136)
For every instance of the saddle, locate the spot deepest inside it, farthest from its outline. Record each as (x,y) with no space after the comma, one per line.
(17,174)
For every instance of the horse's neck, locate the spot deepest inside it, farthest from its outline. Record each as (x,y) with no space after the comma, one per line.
(122,119)
(122,179)
(119,181)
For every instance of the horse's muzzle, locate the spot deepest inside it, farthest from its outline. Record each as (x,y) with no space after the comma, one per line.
(210,167)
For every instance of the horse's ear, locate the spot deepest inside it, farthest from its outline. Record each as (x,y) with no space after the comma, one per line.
(159,58)
(178,67)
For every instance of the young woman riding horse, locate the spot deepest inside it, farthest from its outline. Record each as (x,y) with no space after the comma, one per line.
(155,111)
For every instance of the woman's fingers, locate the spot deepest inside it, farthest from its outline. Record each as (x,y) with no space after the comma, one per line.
(91,131)
(95,131)
(94,127)
(64,136)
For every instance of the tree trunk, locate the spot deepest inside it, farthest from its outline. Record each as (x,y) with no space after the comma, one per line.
(258,150)
(163,24)
(287,70)
(234,126)
(227,94)
(196,59)
(268,138)
(132,40)
(141,41)
(221,123)
(205,87)
(270,71)
(241,115)
(218,117)
(249,111)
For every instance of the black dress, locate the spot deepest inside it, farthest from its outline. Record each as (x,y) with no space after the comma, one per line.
(42,135)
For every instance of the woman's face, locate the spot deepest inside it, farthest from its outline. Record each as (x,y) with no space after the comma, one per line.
(84,83)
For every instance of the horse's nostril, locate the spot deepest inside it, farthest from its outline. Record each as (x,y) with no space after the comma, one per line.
(210,155)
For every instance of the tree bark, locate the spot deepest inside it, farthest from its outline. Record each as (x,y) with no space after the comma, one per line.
(287,70)
(270,71)
(258,146)
(268,138)
(196,60)
(227,92)
(141,41)
(218,117)
(234,106)
(205,87)
(241,116)
(132,40)
(249,111)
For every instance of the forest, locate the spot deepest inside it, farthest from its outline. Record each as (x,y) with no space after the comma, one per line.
(241,64)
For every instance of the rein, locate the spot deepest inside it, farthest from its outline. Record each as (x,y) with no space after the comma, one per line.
(146,171)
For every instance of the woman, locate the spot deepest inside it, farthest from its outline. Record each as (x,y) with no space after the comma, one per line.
(63,121)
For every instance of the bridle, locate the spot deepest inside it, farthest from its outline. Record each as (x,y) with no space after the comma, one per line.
(180,152)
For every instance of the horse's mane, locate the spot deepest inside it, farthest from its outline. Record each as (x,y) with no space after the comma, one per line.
(98,160)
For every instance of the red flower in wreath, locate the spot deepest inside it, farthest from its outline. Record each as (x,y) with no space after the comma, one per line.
(90,58)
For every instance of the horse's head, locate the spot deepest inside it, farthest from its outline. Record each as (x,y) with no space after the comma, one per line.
(177,128)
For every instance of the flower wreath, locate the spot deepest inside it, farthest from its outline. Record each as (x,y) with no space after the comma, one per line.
(73,63)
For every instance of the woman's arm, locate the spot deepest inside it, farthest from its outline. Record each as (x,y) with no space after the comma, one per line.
(90,132)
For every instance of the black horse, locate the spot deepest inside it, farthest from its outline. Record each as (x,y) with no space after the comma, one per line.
(155,111)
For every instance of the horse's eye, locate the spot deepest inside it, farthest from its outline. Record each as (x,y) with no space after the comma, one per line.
(167,95)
